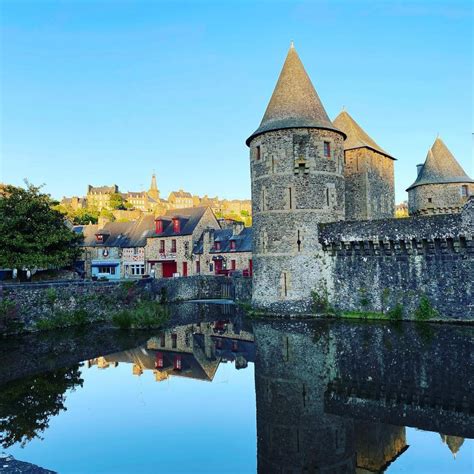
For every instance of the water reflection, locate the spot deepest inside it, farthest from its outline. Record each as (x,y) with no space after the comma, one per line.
(330,396)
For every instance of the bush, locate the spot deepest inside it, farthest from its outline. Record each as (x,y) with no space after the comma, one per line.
(51,296)
(396,313)
(64,319)
(123,319)
(425,310)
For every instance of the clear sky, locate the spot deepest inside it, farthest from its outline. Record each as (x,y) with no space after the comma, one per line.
(103,92)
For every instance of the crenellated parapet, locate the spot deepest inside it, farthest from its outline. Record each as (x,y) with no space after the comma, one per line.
(377,265)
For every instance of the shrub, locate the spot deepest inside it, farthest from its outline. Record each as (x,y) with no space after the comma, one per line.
(425,310)
(123,319)
(64,319)
(396,313)
(51,296)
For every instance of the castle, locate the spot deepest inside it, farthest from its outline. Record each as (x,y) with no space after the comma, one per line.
(323,210)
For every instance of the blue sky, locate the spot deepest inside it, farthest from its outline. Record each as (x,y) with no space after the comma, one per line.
(102,92)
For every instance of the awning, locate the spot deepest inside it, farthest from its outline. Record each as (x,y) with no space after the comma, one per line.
(105,264)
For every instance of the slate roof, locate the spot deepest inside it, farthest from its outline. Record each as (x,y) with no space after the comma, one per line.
(188,218)
(356,136)
(440,167)
(243,241)
(181,194)
(102,189)
(294,102)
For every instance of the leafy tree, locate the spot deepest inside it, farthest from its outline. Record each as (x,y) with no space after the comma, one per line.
(32,233)
(117,201)
(106,213)
(79,216)
(27,405)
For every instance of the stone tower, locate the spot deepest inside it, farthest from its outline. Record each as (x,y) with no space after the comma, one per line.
(368,169)
(153,192)
(442,186)
(297,176)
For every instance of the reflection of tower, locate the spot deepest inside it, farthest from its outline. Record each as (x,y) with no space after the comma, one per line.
(378,445)
(454,443)
(291,374)
(153,192)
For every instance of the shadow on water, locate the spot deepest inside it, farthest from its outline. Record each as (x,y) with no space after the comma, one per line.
(331,396)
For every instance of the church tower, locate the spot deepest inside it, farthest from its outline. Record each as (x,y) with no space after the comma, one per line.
(153,192)
(297,176)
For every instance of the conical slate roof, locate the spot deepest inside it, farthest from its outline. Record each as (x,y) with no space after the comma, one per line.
(356,136)
(440,167)
(294,102)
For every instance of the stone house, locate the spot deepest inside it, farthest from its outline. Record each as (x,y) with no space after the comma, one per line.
(180,199)
(103,249)
(368,173)
(98,197)
(441,186)
(169,250)
(224,251)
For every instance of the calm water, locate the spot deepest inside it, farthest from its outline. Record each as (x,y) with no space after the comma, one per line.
(214,393)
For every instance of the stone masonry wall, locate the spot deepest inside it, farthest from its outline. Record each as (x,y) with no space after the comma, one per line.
(445,198)
(373,265)
(39,300)
(294,188)
(370,192)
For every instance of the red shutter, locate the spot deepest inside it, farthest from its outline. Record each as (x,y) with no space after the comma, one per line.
(159,226)
(177,362)
(159,360)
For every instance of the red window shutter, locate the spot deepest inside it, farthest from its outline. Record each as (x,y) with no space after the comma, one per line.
(177,362)
(185,269)
(176,226)
(232,264)
(159,226)
(232,244)
(159,360)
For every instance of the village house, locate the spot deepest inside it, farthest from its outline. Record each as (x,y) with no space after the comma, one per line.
(224,251)
(169,251)
(180,199)
(98,197)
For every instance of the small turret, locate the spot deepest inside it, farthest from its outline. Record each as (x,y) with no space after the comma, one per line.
(441,185)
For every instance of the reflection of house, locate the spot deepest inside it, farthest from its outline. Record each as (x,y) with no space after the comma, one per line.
(170,249)
(226,250)
(192,350)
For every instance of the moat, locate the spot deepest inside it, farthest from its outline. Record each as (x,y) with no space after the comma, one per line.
(218,392)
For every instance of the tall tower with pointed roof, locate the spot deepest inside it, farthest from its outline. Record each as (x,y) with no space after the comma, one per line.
(368,169)
(441,186)
(153,192)
(296,162)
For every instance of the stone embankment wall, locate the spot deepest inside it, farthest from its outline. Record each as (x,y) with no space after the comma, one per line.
(375,265)
(25,304)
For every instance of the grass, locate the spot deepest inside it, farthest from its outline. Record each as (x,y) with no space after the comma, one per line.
(372,315)
(146,314)
(63,319)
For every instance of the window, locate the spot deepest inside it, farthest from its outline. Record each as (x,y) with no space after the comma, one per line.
(263,199)
(173,245)
(99,237)
(162,340)
(290,197)
(198,267)
(159,226)
(177,362)
(232,244)
(174,340)
(135,250)
(159,360)
(464,190)
(232,265)
(162,246)
(327,150)
(106,270)
(217,245)
(430,200)
(258,153)
(185,269)
(176,226)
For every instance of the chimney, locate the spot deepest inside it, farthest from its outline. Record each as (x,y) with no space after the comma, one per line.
(237,227)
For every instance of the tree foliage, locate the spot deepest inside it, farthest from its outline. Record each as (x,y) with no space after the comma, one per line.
(117,201)
(27,405)
(32,233)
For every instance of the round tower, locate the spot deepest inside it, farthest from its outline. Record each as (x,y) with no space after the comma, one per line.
(297,176)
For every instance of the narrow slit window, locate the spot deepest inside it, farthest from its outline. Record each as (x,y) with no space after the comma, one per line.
(298,242)
(327,196)
(290,198)
(327,149)
(258,153)
(263,199)
(273,164)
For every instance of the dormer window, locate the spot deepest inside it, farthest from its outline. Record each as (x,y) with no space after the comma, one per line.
(327,149)
(233,244)
(159,226)
(217,245)
(99,238)
(464,191)
(176,225)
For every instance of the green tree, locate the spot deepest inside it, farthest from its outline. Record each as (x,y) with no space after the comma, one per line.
(117,201)
(26,405)
(32,233)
